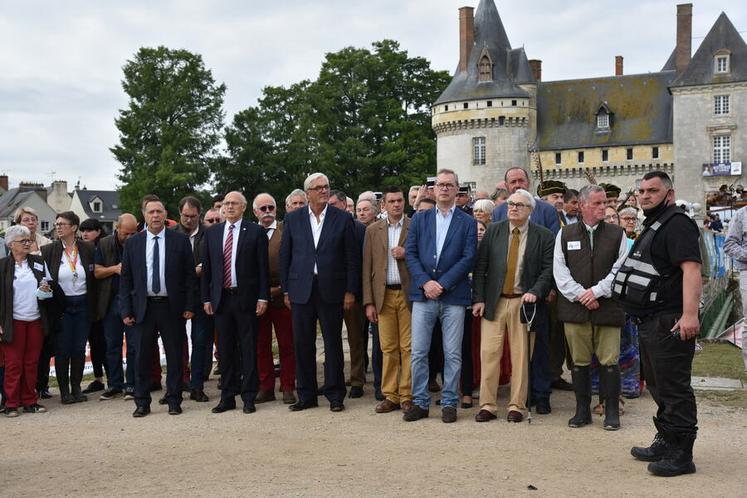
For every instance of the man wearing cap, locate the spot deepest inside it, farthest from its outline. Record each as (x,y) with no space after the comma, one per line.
(463,198)
(613,194)
(552,191)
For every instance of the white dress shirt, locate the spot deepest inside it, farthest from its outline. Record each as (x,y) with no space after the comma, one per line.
(571,289)
(70,284)
(394,231)
(442,227)
(149,245)
(25,304)
(316,229)
(236,232)
(271,229)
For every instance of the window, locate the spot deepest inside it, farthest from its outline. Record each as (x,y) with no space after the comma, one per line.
(96,206)
(490,103)
(722,64)
(581,157)
(513,103)
(603,121)
(478,151)
(557,158)
(446,108)
(721,104)
(605,155)
(501,120)
(45,226)
(721,149)
(486,69)
(654,152)
(466,105)
(629,154)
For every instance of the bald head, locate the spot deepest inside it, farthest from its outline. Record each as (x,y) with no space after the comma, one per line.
(126,226)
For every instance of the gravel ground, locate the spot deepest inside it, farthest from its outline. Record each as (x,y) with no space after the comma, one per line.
(99,449)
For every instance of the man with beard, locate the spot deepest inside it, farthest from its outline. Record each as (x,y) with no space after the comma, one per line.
(660,286)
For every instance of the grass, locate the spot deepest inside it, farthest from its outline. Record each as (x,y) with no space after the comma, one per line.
(721,360)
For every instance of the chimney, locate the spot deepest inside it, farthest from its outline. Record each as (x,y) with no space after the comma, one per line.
(684,37)
(536,66)
(466,35)
(618,65)
(4,182)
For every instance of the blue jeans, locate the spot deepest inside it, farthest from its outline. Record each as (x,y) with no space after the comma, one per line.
(113,330)
(424,316)
(202,339)
(71,341)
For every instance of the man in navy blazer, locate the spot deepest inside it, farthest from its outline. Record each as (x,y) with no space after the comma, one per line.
(545,215)
(235,287)
(320,272)
(157,294)
(440,252)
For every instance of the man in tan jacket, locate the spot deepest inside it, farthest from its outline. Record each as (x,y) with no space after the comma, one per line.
(385,283)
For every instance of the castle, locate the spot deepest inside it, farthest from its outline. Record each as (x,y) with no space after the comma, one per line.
(689,118)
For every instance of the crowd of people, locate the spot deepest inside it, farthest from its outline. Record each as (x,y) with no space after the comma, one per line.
(481,290)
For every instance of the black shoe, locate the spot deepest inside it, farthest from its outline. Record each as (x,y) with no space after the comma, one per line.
(433,386)
(543,407)
(175,410)
(249,408)
(656,451)
(336,406)
(448,415)
(679,457)
(141,411)
(356,392)
(562,385)
(379,395)
(609,377)
(199,396)
(45,394)
(35,408)
(415,413)
(582,386)
(110,394)
(301,405)
(155,386)
(94,386)
(67,399)
(163,401)
(224,406)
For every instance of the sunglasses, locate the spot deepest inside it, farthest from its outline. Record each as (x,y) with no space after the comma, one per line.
(212,220)
(267,209)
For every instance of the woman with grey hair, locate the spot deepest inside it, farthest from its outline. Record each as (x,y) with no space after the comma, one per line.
(23,325)
(482,210)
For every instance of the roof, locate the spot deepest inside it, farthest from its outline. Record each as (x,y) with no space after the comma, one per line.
(671,64)
(510,67)
(641,106)
(700,71)
(109,199)
(13,199)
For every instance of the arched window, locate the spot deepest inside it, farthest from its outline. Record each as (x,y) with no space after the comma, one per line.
(486,69)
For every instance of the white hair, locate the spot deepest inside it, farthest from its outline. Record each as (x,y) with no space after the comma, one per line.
(237,193)
(530,199)
(16,231)
(296,192)
(484,205)
(309,179)
(254,202)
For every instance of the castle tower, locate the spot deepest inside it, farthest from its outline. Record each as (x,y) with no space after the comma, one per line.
(485,120)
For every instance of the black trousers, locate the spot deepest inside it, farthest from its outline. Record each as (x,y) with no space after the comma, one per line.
(468,370)
(159,320)
(667,363)
(304,318)
(97,344)
(237,347)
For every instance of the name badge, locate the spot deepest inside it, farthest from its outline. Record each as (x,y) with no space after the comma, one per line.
(38,267)
(574,245)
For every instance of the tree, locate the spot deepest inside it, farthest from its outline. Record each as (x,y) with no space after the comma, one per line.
(169,134)
(365,122)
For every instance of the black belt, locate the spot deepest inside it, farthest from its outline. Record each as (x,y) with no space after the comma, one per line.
(510,296)
(394,286)
(158,299)
(231,291)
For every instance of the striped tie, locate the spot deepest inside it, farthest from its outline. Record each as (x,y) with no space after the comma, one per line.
(227,253)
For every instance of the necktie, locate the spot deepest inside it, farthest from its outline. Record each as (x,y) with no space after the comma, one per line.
(513,258)
(591,238)
(227,253)
(156,283)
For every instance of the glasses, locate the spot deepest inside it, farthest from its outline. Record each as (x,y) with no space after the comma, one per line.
(320,188)
(517,205)
(212,220)
(629,218)
(267,209)
(25,242)
(60,225)
(445,186)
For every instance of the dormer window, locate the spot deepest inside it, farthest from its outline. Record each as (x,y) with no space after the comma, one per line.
(604,118)
(722,62)
(485,66)
(97,206)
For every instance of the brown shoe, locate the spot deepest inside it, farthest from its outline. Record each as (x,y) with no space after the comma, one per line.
(514,416)
(406,405)
(387,406)
(264,396)
(485,416)
(288,397)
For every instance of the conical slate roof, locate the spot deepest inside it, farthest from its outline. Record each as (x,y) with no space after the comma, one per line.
(671,64)
(509,66)
(701,70)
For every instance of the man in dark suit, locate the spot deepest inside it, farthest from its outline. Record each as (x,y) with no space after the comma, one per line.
(157,292)
(440,251)
(514,267)
(320,271)
(202,325)
(235,285)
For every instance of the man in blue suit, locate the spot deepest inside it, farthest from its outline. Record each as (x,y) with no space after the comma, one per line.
(157,294)
(320,272)
(440,252)
(546,215)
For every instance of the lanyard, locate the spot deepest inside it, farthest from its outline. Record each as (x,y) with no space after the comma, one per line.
(72,261)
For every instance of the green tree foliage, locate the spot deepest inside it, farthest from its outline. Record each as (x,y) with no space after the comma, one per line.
(365,122)
(170,131)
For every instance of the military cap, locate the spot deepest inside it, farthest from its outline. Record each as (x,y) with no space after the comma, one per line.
(551,187)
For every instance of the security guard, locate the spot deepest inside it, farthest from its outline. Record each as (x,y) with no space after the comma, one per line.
(660,286)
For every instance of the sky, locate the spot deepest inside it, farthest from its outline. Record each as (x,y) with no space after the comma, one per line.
(61,62)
